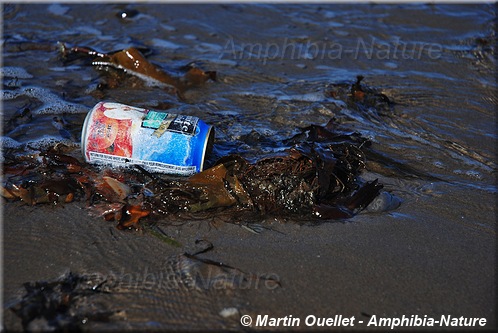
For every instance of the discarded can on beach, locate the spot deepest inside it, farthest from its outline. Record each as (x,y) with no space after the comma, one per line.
(159,141)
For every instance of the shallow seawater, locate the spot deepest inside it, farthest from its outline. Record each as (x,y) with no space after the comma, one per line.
(276,66)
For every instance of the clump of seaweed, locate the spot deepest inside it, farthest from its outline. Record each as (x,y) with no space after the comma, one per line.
(317,177)
(60,305)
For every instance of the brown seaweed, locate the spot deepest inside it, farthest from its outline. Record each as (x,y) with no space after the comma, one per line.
(362,97)
(132,61)
(317,177)
(52,305)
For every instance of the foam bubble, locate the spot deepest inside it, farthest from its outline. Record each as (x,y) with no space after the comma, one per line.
(9,94)
(48,141)
(15,72)
(52,104)
(7,142)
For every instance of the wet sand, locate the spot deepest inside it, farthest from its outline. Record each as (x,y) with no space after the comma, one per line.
(432,261)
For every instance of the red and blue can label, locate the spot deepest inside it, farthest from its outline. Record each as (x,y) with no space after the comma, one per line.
(159,141)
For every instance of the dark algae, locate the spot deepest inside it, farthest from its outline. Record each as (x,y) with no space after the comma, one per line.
(317,177)
(59,306)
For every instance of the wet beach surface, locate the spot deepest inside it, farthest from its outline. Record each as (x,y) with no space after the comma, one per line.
(277,66)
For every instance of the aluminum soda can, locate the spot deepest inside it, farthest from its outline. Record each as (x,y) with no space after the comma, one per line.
(159,141)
